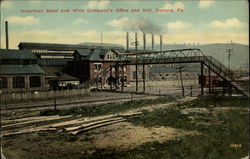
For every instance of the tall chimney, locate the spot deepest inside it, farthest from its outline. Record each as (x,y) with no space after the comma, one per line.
(127,40)
(160,42)
(136,42)
(7,35)
(152,41)
(144,41)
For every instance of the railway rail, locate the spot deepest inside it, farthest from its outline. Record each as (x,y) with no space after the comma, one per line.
(68,104)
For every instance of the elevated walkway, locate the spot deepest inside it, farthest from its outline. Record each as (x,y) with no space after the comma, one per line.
(176,56)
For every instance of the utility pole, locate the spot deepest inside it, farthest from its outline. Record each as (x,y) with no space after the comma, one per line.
(182,87)
(136,43)
(229,51)
(7,35)
(136,66)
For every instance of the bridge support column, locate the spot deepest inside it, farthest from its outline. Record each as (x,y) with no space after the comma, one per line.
(202,81)
(116,76)
(136,77)
(144,78)
(122,87)
(110,75)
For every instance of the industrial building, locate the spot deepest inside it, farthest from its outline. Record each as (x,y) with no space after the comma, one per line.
(19,71)
(171,72)
(89,63)
(58,59)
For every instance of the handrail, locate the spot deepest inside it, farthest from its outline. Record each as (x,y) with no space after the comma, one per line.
(91,81)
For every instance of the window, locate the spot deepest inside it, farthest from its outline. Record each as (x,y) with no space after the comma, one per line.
(3,82)
(35,81)
(97,67)
(18,82)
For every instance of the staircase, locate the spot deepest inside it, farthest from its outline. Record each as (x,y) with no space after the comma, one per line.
(223,72)
(90,82)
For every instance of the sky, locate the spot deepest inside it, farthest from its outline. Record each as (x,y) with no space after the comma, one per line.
(189,21)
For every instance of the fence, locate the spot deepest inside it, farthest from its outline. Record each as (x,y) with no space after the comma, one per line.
(16,97)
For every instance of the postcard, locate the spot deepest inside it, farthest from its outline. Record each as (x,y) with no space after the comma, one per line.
(124,79)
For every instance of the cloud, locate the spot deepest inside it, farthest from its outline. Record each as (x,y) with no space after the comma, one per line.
(206,3)
(28,20)
(119,22)
(174,6)
(97,4)
(80,21)
(136,24)
(6,4)
(229,23)
(177,25)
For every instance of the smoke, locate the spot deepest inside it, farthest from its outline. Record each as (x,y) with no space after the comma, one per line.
(137,24)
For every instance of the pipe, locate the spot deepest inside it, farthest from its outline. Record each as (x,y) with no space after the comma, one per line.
(160,42)
(136,42)
(127,40)
(152,41)
(144,41)
(7,35)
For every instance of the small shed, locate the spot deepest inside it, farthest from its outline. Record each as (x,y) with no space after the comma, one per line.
(64,81)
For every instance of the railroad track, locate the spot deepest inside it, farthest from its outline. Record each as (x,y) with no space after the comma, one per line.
(64,124)
(69,104)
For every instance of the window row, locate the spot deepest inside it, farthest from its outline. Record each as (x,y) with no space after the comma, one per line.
(52,51)
(19,82)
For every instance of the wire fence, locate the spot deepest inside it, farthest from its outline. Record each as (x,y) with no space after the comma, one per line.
(16,97)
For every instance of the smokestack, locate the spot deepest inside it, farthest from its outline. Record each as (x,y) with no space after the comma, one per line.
(144,41)
(7,35)
(152,41)
(127,40)
(136,42)
(161,42)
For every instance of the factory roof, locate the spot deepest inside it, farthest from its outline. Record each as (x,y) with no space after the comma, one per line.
(64,77)
(83,52)
(52,45)
(70,46)
(53,62)
(20,69)
(95,54)
(16,54)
